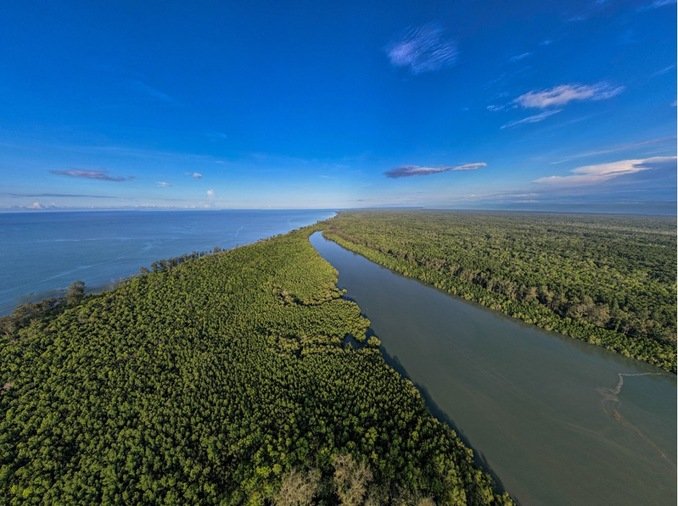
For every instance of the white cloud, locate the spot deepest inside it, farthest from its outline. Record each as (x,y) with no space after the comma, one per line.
(418,170)
(663,71)
(36,205)
(470,166)
(100,175)
(164,184)
(535,118)
(565,93)
(423,49)
(519,57)
(196,175)
(593,174)
(210,193)
(661,3)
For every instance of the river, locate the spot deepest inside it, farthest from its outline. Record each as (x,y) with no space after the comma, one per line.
(557,421)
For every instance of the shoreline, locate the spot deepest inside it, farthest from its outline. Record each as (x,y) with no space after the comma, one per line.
(33,297)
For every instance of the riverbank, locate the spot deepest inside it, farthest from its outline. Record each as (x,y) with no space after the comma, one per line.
(546,413)
(608,281)
(225,378)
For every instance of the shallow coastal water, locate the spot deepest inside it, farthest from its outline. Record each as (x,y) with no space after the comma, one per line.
(557,420)
(42,253)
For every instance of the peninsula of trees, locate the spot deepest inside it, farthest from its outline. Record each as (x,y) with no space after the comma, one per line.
(240,377)
(606,280)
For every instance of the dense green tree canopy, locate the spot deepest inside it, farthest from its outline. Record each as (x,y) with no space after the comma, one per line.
(608,280)
(218,379)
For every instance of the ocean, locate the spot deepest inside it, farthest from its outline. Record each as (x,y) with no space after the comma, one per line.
(41,253)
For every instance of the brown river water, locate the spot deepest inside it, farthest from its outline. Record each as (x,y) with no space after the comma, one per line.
(557,421)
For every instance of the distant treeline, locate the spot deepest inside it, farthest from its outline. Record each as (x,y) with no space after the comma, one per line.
(219,379)
(607,280)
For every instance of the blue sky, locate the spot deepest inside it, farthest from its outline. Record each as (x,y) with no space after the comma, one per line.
(311,104)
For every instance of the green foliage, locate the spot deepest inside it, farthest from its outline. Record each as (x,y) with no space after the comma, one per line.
(75,293)
(374,341)
(212,381)
(30,313)
(607,280)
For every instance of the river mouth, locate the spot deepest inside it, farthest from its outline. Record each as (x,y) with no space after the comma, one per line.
(557,420)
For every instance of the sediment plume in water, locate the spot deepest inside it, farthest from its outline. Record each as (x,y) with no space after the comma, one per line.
(610,405)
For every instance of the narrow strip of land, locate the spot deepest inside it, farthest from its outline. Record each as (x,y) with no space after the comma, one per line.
(223,379)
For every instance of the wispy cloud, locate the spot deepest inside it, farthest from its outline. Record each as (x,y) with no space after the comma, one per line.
(100,175)
(61,195)
(594,174)
(663,71)
(535,118)
(121,152)
(163,184)
(659,143)
(519,57)
(552,100)
(37,206)
(195,175)
(566,93)
(142,87)
(660,3)
(423,49)
(418,170)
(210,193)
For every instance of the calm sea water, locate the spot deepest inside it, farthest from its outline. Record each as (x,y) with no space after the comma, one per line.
(559,421)
(42,253)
